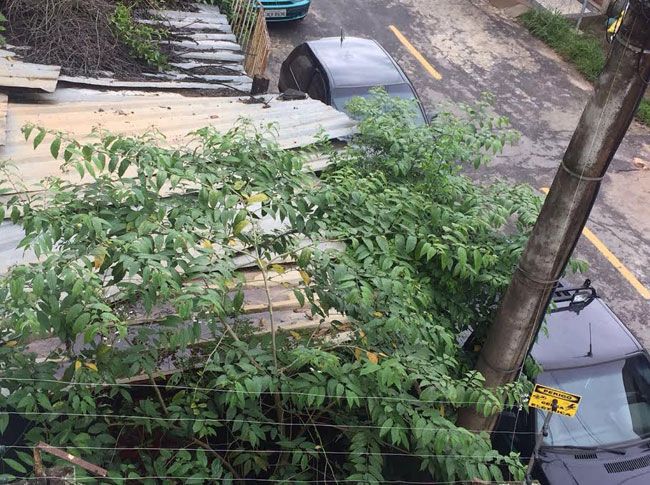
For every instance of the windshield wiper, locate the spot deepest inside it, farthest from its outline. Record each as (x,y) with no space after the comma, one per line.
(587,448)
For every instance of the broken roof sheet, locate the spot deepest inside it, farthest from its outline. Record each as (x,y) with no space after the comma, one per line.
(288,314)
(14,73)
(298,123)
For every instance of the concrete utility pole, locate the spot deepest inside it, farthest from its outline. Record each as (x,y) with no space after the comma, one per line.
(602,126)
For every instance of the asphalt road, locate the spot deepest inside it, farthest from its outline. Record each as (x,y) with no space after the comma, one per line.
(476,48)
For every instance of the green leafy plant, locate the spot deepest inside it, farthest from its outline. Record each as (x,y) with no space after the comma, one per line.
(2,29)
(142,40)
(138,270)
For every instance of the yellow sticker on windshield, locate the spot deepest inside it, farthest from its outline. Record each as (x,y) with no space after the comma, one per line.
(544,397)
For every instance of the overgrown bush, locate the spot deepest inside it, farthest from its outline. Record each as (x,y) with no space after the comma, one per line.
(142,40)
(2,29)
(154,235)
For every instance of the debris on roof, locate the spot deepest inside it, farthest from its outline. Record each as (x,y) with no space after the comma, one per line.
(14,73)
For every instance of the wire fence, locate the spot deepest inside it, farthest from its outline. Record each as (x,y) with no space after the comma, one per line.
(263,452)
(403,399)
(192,478)
(206,420)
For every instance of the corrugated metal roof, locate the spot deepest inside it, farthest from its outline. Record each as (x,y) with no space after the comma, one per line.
(297,122)
(15,73)
(203,33)
(288,314)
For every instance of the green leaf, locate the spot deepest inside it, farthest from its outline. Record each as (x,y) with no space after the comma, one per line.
(27,131)
(411,242)
(55,146)
(304,258)
(15,465)
(240,226)
(4,421)
(299,296)
(38,285)
(124,164)
(39,137)
(386,427)
(462,255)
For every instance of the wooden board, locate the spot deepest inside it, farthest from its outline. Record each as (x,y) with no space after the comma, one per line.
(18,74)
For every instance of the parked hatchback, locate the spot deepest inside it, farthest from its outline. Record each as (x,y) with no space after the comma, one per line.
(334,70)
(586,350)
(284,10)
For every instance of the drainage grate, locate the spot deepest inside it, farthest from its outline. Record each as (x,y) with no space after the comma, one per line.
(586,456)
(626,466)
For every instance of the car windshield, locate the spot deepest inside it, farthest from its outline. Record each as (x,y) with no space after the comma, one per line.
(342,96)
(615,404)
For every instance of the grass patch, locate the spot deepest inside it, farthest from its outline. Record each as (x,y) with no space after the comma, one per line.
(583,50)
(643,113)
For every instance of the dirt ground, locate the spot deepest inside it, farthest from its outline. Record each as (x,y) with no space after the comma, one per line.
(477,47)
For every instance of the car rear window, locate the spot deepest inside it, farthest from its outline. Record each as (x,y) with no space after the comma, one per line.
(615,405)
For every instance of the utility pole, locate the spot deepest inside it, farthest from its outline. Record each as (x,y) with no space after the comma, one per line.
(601,128)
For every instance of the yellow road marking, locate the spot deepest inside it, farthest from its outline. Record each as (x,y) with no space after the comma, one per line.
(604,250)
(430,69)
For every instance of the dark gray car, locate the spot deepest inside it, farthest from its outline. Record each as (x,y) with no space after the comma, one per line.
(334,71)
(586,350)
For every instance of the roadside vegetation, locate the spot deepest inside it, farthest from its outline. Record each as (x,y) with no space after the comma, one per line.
(138,271)
(582,49)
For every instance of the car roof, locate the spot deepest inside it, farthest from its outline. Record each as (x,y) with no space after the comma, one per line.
(356,62)
(570,334)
